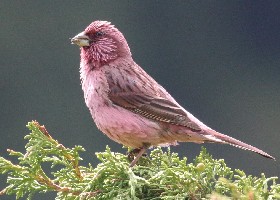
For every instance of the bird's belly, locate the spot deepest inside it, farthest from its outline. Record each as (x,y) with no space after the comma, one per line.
(128,128)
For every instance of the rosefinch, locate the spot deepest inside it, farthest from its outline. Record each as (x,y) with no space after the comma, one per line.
(127,104)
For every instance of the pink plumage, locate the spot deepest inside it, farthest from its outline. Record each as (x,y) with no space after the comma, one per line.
(127,104)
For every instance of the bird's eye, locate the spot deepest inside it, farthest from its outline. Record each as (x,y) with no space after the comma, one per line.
(99,33)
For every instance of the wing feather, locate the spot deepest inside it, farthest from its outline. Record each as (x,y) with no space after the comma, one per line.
(157,109)
(137,92)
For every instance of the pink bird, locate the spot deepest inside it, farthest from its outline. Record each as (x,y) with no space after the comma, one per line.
(127,104)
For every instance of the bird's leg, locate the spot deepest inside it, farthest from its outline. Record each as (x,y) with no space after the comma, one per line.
(139,152)
(142,150)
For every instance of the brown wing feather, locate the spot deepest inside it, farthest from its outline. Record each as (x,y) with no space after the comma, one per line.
(157,109)
(133,89)
(130,95)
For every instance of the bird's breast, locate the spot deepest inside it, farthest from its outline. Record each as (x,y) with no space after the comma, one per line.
(96,89)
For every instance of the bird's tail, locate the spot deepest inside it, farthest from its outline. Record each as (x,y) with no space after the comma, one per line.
(219,137)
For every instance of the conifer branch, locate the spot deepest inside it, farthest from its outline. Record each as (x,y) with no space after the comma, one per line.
(161,175)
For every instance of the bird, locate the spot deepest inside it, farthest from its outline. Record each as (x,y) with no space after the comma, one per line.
(128,105)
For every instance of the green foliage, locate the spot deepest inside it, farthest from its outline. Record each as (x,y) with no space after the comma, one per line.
(161,175)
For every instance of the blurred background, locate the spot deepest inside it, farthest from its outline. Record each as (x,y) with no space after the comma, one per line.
(219,59)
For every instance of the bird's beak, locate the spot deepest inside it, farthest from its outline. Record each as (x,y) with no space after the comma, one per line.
(81,40)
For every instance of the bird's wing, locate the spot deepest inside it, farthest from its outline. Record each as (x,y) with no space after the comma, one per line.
(131,96)
(158,109)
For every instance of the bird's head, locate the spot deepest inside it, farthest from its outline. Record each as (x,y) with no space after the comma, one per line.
(101,43)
